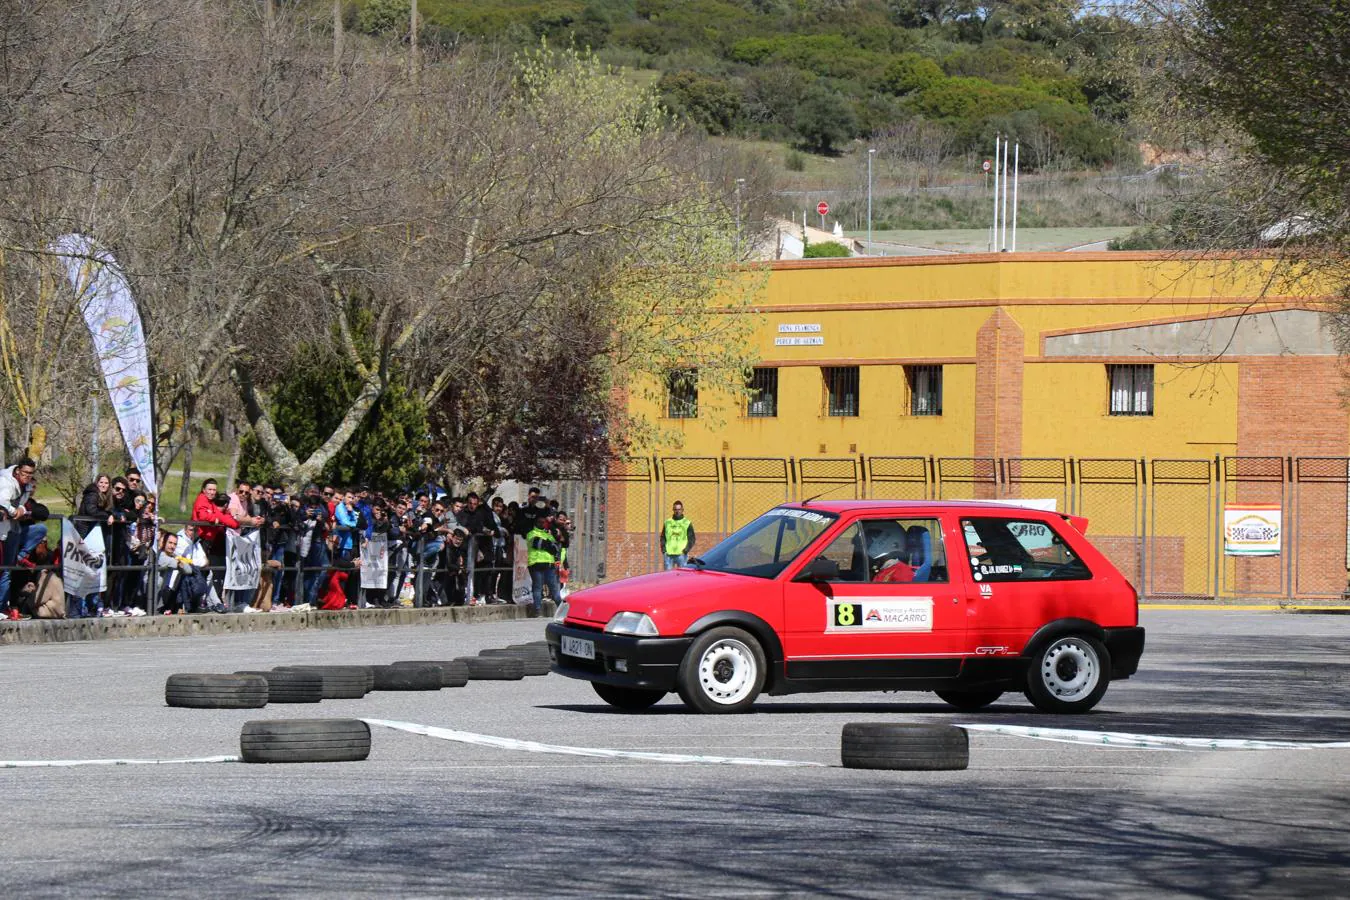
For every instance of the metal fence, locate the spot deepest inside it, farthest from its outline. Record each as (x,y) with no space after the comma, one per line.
(1160,521)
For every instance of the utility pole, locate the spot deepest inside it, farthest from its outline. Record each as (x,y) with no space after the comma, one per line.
(739,183)
(412,40)
(337,35)
(993,231)
(871,153)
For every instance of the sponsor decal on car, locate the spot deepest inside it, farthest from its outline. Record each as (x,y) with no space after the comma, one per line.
(855,614)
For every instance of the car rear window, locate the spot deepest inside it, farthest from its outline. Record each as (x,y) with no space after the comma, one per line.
(1019,550)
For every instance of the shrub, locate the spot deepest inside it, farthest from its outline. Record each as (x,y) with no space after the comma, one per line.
(794,161)
(910,72)
(825,250)
(709,102)
(825,120)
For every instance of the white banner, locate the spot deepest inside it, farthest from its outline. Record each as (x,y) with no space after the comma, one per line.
(1252,529)
(520,573)
(375,562)
(83,569)
(243,560)
(115,326)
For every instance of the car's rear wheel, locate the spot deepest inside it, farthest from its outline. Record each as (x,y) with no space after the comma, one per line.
(632,699)
(1069,674)
(723,672)
(969,700)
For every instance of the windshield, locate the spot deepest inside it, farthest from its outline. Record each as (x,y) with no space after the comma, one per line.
(764,547)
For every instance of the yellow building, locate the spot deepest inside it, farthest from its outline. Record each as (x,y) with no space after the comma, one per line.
(1031,375)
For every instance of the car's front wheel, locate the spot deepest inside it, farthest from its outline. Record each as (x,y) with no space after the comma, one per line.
(632,699)
(723,671)
(1069,674)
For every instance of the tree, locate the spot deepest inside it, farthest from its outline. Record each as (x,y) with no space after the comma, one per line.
(825,120)
(1266,83)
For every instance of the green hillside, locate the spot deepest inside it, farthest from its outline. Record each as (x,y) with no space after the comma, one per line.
(820,73)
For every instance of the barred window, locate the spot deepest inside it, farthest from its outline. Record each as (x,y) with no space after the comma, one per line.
(925,390)
(682,394)
(1131,390)
(763,402)
(841,387)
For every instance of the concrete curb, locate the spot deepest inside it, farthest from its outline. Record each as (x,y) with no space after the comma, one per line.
(47,631)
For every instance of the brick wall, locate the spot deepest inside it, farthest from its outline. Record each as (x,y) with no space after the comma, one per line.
(1293,406)
(999,352)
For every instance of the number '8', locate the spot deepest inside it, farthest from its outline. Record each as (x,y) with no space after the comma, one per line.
(844,614)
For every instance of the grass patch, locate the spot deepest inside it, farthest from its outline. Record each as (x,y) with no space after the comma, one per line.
(976,240)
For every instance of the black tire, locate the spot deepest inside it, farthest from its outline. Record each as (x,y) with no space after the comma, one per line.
(339,682)
(453,672)
(970,699)
(534,662)
(407,678)
(216,691)
(722,672)
(291,686)
(631,699)
(494,668)
(1068,674)
(910,748)
(304,740)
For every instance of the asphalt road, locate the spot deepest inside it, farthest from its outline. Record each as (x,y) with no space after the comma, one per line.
(426,817)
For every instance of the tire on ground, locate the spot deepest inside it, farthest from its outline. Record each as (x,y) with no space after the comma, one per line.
(291,686)
(339,682)
(494,668)
(631,699)
(207,691)
(453,672)
(535,663)
(905,747)
(407,678)
(304,740)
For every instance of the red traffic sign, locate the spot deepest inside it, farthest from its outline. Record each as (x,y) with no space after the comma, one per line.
(823,208)
(986,165)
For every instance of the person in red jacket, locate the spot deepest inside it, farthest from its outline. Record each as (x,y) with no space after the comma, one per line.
(340,573)
(213,518)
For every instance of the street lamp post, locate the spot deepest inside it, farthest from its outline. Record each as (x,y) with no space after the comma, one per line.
(870,154)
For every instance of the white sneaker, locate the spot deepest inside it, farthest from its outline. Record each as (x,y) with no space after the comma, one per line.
(301,607)
(251,609)
(134,611)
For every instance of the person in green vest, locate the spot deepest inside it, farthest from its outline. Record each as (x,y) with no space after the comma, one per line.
(677,538)
(542,555)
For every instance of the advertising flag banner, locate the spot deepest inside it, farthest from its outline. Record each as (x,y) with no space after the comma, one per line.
(1252,529)
(119,342)
(375,562)
(520,574)
(243,560)
(83,565)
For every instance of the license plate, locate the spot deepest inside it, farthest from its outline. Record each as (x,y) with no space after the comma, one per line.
(578,647)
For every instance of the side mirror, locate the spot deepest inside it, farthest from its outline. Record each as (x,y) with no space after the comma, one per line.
(818,569)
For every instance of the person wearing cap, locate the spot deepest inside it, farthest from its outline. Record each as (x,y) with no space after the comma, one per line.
(542,557)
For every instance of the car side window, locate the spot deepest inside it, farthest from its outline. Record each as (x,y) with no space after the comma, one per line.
(1019,550)
(901,551)
(847,554)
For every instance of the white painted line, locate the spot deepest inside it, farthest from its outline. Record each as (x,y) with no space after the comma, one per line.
(487,740)
(67,763)
(1123,740)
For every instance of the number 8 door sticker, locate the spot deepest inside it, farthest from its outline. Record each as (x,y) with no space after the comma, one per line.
(846,614)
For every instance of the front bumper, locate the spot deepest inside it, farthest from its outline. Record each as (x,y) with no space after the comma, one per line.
(650,663)
(1125,645)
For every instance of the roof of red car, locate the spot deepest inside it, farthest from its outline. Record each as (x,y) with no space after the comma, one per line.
(842,506)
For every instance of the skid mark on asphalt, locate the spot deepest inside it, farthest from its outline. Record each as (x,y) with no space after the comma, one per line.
(487,740)
(1122,740)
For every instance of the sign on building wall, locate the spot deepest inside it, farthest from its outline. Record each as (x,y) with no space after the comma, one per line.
(799,328)
(1252,529)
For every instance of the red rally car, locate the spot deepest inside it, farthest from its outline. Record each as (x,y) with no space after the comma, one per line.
(965,599)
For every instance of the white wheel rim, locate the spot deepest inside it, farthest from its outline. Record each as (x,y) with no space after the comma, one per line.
(1070,669)
(726,672)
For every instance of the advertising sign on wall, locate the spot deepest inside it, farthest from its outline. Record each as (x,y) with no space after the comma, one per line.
(1252,529)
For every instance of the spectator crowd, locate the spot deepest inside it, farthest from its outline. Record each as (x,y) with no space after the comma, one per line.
(442,550)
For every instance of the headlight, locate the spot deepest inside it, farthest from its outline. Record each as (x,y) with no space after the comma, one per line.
(560,613)
(632,623)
